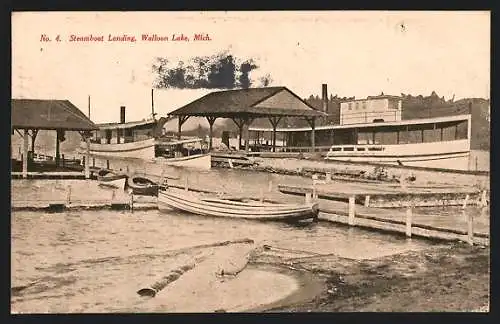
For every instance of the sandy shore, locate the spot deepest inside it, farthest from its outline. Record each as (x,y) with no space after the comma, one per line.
(452,278)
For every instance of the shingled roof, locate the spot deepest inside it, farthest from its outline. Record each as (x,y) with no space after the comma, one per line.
(48,115)
(253,102)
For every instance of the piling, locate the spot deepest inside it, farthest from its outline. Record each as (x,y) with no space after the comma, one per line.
(131,202)
(465,201)
(352,207)
(68,199)
(470,229)
(409,219)
(367,200)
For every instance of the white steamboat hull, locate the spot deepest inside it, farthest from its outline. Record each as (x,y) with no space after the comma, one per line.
(140,149)
(445,155)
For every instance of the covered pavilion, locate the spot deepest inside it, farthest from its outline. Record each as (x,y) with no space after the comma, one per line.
(245,105)
(28,116)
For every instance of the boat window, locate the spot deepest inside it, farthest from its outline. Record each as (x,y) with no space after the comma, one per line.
(375,149)
(335,149)
(348,148)
(431,133)
(360,149)
(414,134)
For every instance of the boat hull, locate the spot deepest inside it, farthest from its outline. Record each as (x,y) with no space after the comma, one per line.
(186,201)
(198,161)
(141,149)
(117,183)
(148,188)
(445,155)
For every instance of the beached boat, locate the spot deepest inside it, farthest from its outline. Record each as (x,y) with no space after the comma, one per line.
(211,205)
(141,185)
(111,179)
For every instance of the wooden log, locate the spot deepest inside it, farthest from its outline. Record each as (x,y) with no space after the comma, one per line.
(163,282)
(352,211)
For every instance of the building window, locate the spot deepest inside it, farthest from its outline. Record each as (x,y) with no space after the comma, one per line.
(364,104)
(349,105)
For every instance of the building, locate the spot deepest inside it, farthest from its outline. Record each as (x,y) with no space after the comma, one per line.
(372,109)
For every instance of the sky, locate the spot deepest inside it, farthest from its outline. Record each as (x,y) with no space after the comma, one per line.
(357,53)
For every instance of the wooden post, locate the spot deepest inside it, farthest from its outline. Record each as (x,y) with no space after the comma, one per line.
(68,199)
(367,200)
(409,219)
(93,162)
(483,199)
(107,164)
(470,229)
(308,197)
(132,202)
(465,201)
(352,211)
(62,159)
(87,159)
(25,154)
(186,184)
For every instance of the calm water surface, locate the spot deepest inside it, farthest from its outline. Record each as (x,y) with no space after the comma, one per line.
(94,261)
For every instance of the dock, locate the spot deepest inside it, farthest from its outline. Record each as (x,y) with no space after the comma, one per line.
(388,195)
(374,206)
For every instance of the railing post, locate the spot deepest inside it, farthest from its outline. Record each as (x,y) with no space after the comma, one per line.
(352,207)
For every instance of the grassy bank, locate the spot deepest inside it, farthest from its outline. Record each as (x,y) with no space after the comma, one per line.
(441,278)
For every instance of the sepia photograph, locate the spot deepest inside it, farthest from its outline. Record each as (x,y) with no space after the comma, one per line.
(250,161)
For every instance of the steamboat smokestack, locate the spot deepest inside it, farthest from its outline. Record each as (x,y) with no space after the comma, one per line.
(325,98)
(122,114)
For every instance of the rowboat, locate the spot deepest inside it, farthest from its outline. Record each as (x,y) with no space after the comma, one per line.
(211,205)
(108,178)
(142,186)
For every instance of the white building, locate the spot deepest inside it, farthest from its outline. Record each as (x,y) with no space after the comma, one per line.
(372,109)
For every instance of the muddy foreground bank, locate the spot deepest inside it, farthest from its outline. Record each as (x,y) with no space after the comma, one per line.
(450,278)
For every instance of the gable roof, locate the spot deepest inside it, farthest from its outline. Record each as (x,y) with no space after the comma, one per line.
(255,102)
(48,115)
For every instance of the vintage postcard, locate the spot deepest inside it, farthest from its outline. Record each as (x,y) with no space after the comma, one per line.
(291,161)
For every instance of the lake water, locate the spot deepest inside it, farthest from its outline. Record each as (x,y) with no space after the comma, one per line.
(95,261)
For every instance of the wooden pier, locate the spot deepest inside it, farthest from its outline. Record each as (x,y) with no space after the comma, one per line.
(391,196)
(360,205)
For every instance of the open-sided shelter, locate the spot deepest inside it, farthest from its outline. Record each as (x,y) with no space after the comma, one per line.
(32,115)
(245,105)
